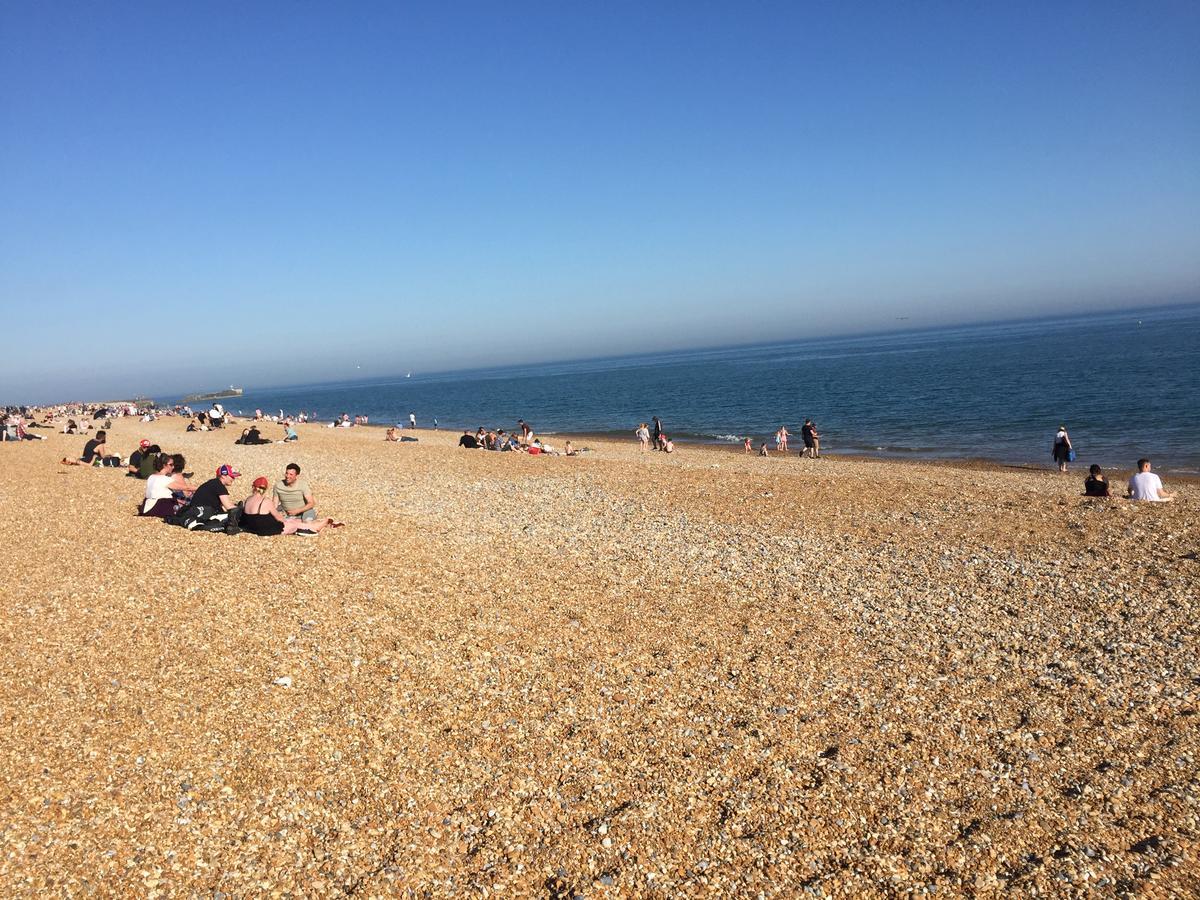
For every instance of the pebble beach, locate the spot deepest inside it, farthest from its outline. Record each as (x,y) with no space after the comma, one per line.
(617,674)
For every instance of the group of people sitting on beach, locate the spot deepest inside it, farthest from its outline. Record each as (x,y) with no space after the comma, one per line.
(345,421)
(289,509)
(15,425)
(522,441)
(171,495)
(1144,485)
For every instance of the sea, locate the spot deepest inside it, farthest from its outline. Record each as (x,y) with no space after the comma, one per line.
(1126,385)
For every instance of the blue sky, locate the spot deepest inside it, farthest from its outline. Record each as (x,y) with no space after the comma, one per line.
(199,194)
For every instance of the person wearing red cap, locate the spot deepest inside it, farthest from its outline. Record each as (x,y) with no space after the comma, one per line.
(136,457)
(214,493)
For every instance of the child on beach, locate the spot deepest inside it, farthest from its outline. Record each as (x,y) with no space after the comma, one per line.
(762,449)
(747,446)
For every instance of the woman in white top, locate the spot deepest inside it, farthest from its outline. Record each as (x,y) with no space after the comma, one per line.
(161,486)
(1062,448)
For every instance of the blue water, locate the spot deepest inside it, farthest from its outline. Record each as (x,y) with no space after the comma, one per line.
(1125,384)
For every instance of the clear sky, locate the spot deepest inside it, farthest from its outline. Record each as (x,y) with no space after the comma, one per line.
(194,194)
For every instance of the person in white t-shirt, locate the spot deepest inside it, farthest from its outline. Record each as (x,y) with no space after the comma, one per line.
(1145,485)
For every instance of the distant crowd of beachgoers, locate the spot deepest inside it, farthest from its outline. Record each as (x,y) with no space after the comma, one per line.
(22,423)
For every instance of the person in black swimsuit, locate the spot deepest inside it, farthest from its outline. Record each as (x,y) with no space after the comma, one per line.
(261,516)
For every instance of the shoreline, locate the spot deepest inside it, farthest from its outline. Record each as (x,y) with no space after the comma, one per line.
(978,463)
(965,463)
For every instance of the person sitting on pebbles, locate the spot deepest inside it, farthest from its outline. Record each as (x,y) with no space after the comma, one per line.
(166,490)
(294,496)
(1146,486)
(1096,485)
(135,459)
(93,453)
(262,517)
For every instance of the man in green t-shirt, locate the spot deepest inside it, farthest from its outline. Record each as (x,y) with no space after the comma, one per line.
(294,496)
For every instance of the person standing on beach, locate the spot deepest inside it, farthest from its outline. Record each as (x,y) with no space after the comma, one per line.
(1062,450)
(643,436)
(812,439)
(658,433)
(412,420)
(781,437)
(1145,485)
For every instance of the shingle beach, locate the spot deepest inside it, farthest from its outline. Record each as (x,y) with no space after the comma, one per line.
(618,674)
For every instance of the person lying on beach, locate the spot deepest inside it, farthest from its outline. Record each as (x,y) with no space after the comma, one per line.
(262,517)
(252,435)
(1147,486)
(1096,485)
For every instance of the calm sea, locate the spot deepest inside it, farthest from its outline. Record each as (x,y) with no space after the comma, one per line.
(1125,384)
